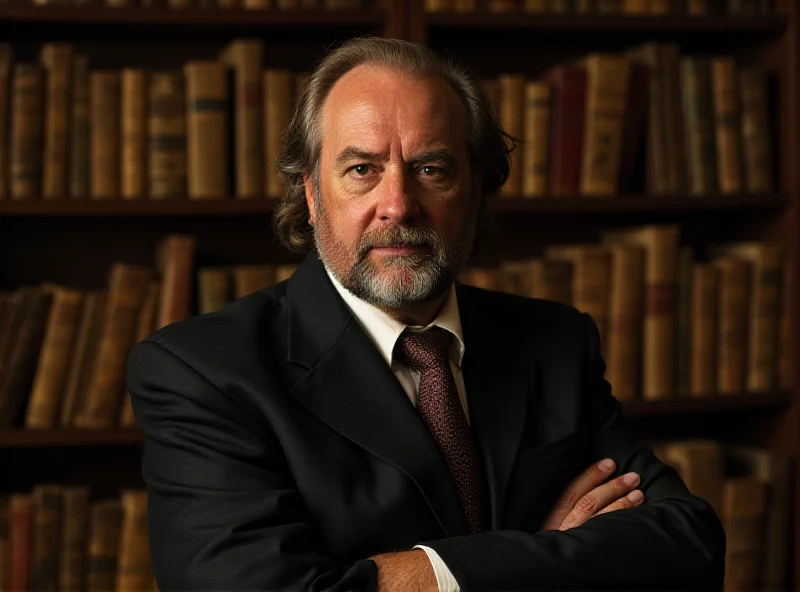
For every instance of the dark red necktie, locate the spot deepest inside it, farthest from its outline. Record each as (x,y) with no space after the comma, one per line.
(440,408)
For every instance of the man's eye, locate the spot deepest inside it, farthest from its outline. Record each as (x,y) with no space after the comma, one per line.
(430,170)
(361,169)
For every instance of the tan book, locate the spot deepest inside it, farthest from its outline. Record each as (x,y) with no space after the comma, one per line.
(727,124)
(78,154)
(701,465)
(207,129)
(608,77)
(74,539)
(659,333)
(166,136)
(213,288)
(104,133)
(624,331)
(134,570)
(552,280)
(6,63)
(698,111)
(743,518)
(251,278)
(512,98)
(52,366)
(47,502)
(755,131)
(127,287)
(175,264)
(245,58)
(134,118)
(704,332)
(27,123)
(733,312)
(765,293)
(536,136)
(56,58)
(105,526)
(279,101)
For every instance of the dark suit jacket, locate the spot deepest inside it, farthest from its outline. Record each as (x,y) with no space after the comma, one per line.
(281,452)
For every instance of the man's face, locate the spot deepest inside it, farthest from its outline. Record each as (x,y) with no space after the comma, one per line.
(395,216)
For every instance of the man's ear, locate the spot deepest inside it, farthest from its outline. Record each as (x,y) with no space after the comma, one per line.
(309,197)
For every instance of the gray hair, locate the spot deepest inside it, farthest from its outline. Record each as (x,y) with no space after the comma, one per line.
(489,146)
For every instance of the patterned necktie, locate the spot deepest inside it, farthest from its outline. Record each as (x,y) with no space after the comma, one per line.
(440,409)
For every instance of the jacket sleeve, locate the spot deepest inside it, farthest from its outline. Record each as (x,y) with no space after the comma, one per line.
(222,507)
(673,541)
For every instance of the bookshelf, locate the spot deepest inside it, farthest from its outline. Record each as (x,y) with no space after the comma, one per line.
(75,241)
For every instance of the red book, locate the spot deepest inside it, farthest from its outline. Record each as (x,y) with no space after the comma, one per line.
(20,540)
(569,113)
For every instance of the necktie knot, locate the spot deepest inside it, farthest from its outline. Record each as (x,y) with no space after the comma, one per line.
(425,350)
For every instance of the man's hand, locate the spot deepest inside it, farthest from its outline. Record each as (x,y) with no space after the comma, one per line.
(587,496)
(405,570)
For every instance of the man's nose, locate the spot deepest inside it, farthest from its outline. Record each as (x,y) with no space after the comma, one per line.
(396,202)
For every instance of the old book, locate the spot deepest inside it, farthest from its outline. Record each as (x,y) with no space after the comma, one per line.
(127,286)
(536,138)
(633,125)
(512,98)
(134,570)
(635,6)
(56,58)
(78,154)
(213,288)
(54,356)
(683,340)
(278,85)
(516,277)
(245,57)
(47,502)
(175,264)
(501,6)
(105,526)
(568,116)
(166,136)
(727,124)
(27,124)
(251,278)
(608,78)
(20,541)
(104,133)
(733,312)
(535,6)
(14,313)
(6,62)
(134,116)
(701,465)
(785,362)
(698,111)
(704,333)
(207,129)
(743,518)
(74,539)
(552,280)
(755,131)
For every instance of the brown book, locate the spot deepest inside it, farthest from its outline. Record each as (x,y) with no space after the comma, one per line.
(786,350)
(755,131)
(633,125)
(251,278)
(743,518)
(438,5)
(78,154)
(175,264)
(660,243)
(47,502)
(536,138)
(213,288)
(134,116)
(56,58)
(623,339)
(487,278)
(700,463)
(697,7)
(105,526)
(27,123)
(675,144)
(20,541)
(6,62)
(5,547)
(535,6)
(207,129)
(704,332)
(82,356)
(54,356)
(104,133)
(17,377)
(552,280)
(74,539)
(732,321)
(127,286)
(698,111)
(683,336)
(512,99)
(342,4)
(568,117)
(13,316)
(134,570)
(516,277)
(500,6)
(245,57)
(608,78)
(166,136)
(727,124)
(279,100)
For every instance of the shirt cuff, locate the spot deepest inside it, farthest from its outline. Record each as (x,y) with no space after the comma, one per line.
(444,578)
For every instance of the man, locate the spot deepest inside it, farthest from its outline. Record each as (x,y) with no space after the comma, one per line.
(370,423)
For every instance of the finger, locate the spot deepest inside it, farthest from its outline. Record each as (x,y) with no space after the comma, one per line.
(600,497)
(633,499)
(577,488)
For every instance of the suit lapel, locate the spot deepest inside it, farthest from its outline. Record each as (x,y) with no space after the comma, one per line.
(349,386)
(498,381)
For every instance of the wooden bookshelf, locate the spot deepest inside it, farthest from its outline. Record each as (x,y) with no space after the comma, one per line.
(22,438)
(710,405)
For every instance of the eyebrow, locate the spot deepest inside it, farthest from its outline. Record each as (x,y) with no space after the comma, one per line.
(444,155)
(353,153)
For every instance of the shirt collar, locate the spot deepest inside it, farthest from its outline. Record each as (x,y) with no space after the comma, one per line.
(383,330)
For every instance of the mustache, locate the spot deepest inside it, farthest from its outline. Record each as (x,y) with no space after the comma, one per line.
(400,236)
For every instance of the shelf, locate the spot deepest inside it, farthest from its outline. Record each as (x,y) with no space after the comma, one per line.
(18,437)
(609,23)
(707,405)
(234,207)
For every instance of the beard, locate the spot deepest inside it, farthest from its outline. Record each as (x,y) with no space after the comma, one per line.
(395,282)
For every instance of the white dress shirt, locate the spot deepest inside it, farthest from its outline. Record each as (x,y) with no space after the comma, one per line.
(383,330)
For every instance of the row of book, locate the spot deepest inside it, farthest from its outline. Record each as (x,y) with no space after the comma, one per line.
(59,538)
(281,5)
(626,7)
(750,488)
(696,125)
(674,321)
(207,131)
